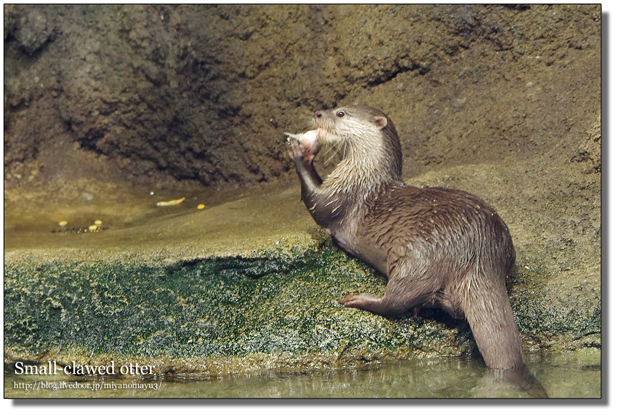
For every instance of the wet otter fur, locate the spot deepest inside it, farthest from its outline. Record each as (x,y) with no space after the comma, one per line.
(438,247)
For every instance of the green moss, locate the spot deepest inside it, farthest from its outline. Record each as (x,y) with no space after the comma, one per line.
(204,308)
(279,303)
(544,310)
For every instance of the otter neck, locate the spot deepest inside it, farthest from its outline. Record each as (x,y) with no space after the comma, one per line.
(366,165)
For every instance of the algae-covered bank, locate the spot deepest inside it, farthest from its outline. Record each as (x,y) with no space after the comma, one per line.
(194,300)
(252,283)
(110,110)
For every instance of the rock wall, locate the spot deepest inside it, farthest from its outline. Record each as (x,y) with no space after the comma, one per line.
(204,93)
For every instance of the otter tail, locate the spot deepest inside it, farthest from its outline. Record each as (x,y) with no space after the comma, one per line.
(488,311)
(522,378)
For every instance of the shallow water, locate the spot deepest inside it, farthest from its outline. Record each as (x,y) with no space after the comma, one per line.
(572,375)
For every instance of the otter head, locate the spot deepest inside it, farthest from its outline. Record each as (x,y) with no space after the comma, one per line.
(348,124)
(366,135)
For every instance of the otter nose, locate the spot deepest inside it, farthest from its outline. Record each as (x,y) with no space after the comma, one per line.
(318,114)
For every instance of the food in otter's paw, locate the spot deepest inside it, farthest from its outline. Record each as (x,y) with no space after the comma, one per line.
(310,139)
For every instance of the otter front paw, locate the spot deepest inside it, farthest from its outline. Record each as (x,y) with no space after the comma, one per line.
(310,141)
(298,152)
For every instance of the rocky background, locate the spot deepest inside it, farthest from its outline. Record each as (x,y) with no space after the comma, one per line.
(204,93)
(501,101)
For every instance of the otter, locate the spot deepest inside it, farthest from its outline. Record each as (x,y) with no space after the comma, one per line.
(438,247)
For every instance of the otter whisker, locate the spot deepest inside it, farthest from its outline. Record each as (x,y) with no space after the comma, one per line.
(333,150)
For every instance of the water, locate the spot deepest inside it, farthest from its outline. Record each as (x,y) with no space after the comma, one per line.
(571,375)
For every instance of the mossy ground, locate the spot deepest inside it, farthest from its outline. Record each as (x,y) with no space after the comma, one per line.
(251,283)
(209,311)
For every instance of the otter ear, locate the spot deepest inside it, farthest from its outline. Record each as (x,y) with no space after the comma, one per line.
(380,122)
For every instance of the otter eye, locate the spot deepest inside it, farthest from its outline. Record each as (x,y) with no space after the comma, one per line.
(340,114)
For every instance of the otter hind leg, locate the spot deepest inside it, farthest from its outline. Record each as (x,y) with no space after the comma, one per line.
(363,301)
(395,301)
(375,304)
(406,290)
